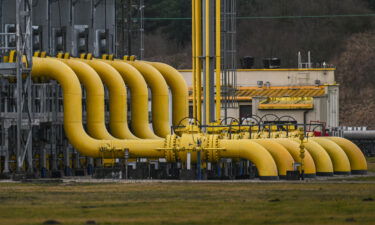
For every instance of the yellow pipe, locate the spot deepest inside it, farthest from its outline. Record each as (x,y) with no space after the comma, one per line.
(252,151)
(207,56)
(179,89)
(198,63)
(94,98)
(139,99)
(357,160)
(73,126)
(194,55)
(160,97)
(340,161)
(218,60)
(321,158)
(284,161)
(118,120)
(293,149)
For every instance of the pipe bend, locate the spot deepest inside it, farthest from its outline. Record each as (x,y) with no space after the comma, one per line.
(320,156)
(139,99)
(73,126)
(118,120)
(159,99)
(357,160)
(340,161)
(179,89)
(293,149)
(94,99)
(72,95)
(252,151)
(284,161)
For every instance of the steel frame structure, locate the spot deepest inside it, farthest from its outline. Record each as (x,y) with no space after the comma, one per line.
(130,27)
(22,117)
(28,108)
(229,56)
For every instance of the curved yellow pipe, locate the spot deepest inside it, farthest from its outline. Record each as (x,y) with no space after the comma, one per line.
(321,158)
(284,161)
(248,149)
(94,98)
(118,120)
(340,161)
(293,149)
(139,99)
(179,89)
(159,99)
(357,160)
(73,126)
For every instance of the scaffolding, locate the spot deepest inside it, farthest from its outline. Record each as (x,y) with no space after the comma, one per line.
(31,113)
(20,119)
(130,27)
(229,56)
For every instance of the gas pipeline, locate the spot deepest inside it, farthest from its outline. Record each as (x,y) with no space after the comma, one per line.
(272,153)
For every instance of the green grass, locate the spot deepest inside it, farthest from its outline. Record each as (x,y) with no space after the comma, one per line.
(371,164)
(189,203)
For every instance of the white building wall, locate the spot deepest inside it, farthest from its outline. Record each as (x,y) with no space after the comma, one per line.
(278,77)
(326,108)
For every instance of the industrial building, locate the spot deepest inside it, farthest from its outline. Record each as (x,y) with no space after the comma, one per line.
(303,95)
(77,99)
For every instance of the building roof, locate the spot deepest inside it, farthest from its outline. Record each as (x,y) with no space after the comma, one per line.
(247,93)
(287,103)
(278,69)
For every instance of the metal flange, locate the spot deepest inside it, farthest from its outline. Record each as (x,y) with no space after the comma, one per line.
(170,148)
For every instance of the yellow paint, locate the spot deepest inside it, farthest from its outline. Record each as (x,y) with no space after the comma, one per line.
(293,149)
(179,91)
(160,97)
(283,159)
(139,98)
(218,60)
(74,130)
(118,121)
(289,69)
(95,98)
(252,151)
(356,158)
(198,34)
(207,61)
(194,55)
(287,103)
(338,157)
(321,158)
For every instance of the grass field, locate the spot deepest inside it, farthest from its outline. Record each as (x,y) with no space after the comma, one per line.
(308,202)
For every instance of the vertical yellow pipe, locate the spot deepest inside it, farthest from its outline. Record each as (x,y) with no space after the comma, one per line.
(193,50)
(207,40)
(198,38)
(218,59)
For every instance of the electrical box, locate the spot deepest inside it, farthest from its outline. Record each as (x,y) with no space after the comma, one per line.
(101,42)
(37,38)
(10,40)
(58,40)
(81,40)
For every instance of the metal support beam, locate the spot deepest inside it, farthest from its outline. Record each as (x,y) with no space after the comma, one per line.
(24,48)
(5,128)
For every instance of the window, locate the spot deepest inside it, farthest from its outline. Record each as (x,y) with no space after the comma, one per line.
(245,111)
